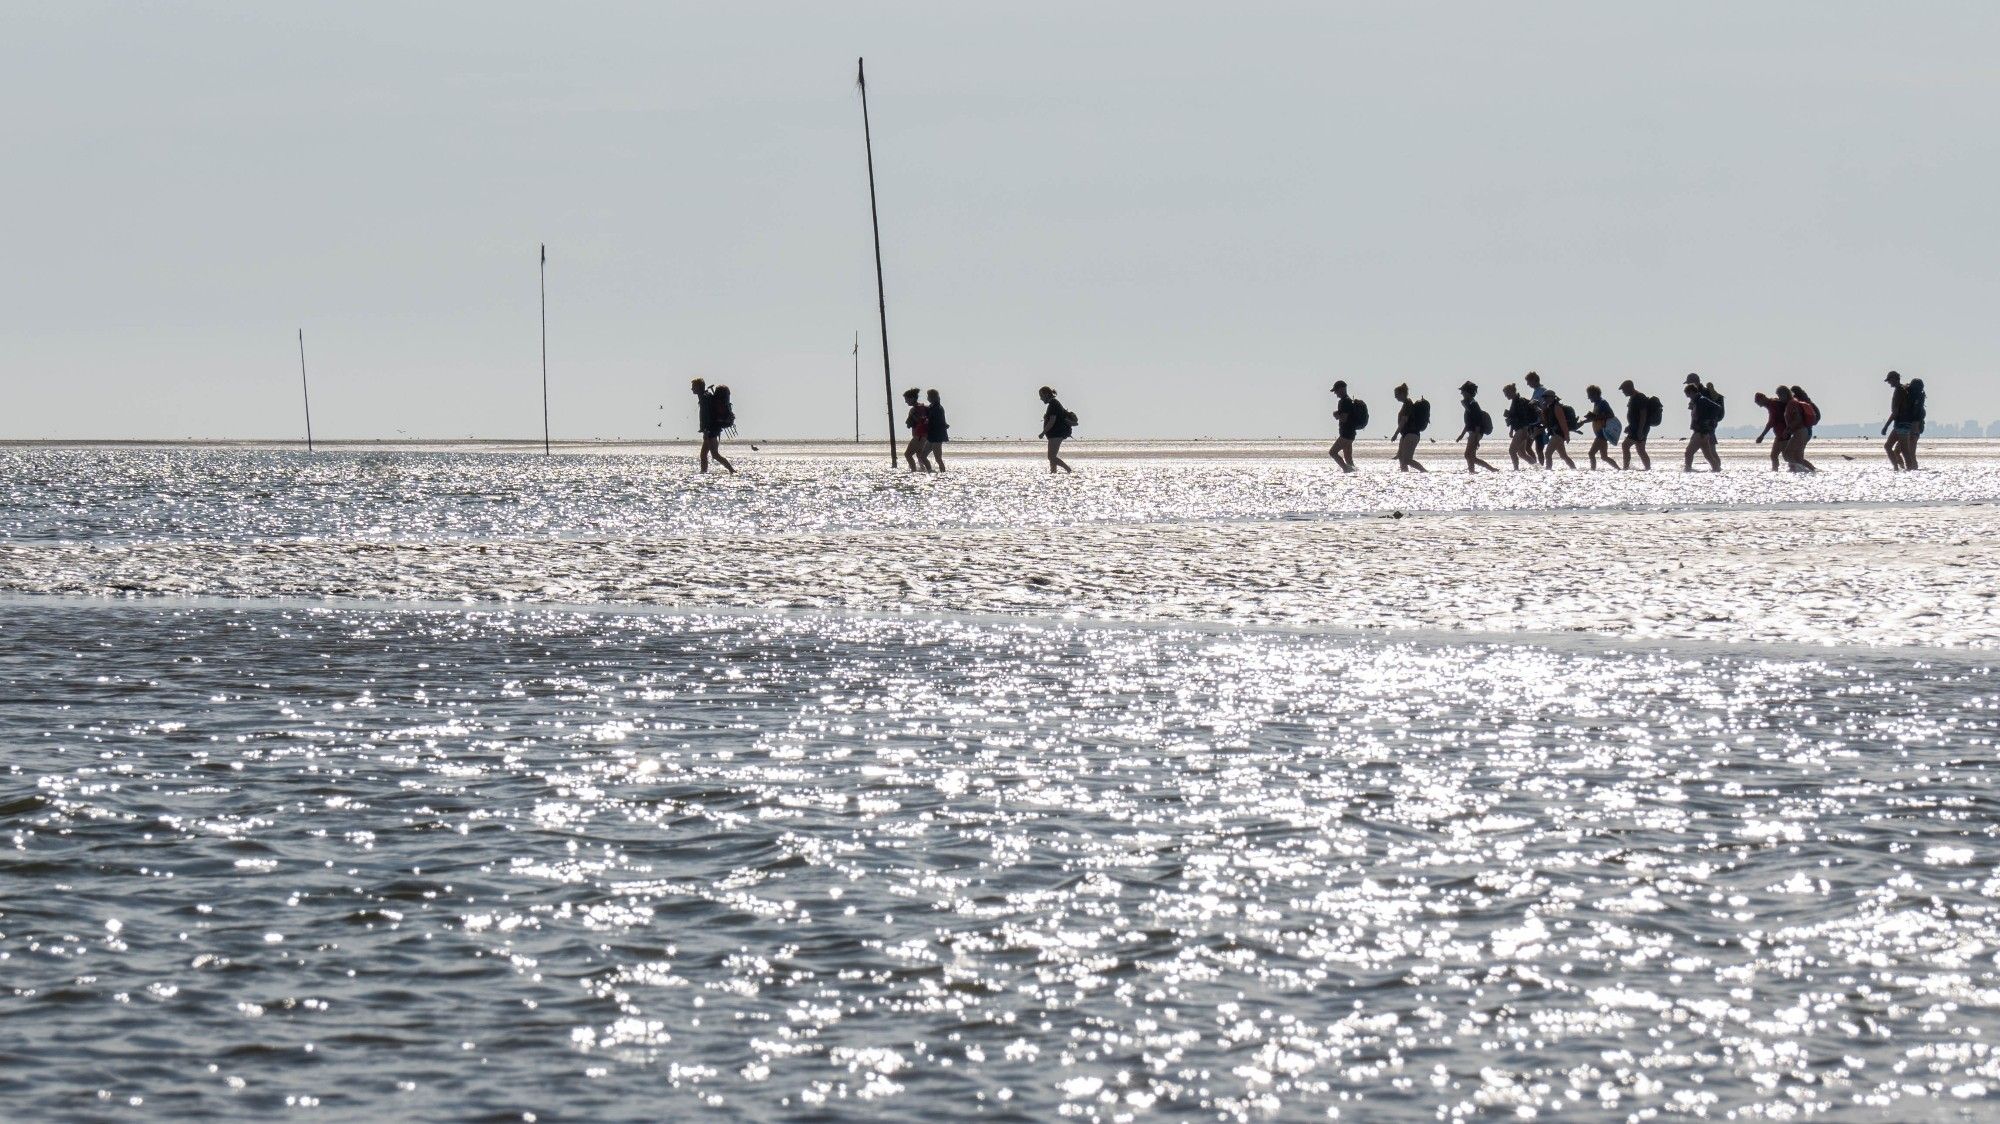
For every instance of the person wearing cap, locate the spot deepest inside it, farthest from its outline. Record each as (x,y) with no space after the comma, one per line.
(1638,424)
(1898,427)
(1478,423)
(1346,414)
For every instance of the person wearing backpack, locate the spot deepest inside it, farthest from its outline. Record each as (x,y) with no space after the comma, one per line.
(1703,415)
(1802,428)
(1522,421)
(1558,421)
(1412,418)
(1917,411)
(715,415)
(1642,413)
(1478,424)
(1351,415)
(1604,428)
(1057,425)
(939,430)
(1898,426)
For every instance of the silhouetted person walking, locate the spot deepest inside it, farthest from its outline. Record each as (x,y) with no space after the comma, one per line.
(1897,427)
(939,430)
(1351,415)
(1775,426)
(1522,421)
(917,454)
(1057,424)
(1412,418)
(1642,413)
(1558,423)
(715,415)
(1478,423)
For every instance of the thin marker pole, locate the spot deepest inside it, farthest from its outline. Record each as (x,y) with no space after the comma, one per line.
(857,388)
(881,297)
(305,391)
(545,349)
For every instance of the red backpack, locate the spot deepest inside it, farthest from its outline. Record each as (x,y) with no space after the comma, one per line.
(1809,412)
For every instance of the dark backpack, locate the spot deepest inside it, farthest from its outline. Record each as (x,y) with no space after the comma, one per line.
(1570,419)
(1485,423)
(1808,413)
(1420,416)
(1069,416)
(1916,403)
(1656,411)
(725,416)
(1357,413)
(1707,409)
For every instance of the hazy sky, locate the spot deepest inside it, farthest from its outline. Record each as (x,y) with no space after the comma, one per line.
(1191,218)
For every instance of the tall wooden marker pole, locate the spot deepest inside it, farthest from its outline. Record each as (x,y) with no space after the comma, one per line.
(881,298)
(857,388)
(305,391)
(545,349)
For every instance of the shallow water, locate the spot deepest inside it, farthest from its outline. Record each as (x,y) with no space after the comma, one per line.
(724,826)
(247,495)
(611,866)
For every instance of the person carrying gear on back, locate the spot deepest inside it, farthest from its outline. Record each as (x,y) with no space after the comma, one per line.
(1412,418)
(1478,426)
(1642,413)
(1351,415)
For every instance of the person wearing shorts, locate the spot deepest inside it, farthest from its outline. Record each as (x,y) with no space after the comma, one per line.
(1342,451)
(1638,415)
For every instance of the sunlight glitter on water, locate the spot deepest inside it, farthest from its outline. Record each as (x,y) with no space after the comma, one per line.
(642,865)
(237,495)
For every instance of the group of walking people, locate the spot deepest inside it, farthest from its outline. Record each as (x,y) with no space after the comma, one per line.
(929,429)
(1540,425)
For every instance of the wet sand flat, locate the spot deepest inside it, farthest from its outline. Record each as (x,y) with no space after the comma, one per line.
(1851,575)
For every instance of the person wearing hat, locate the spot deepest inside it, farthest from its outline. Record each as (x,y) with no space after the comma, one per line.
(1638,424)
(1898,428)
(1350,414)
(1478,423)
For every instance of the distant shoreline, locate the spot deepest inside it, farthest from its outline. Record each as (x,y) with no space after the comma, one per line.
(1666,450)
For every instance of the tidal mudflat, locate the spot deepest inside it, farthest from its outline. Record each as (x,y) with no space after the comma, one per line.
(464,787)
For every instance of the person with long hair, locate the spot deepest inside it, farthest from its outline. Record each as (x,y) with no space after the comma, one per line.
(917,454)
(1478,423)
(715,415)
(1897,428)
(1057,425)
(939,430)
(1704,413)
